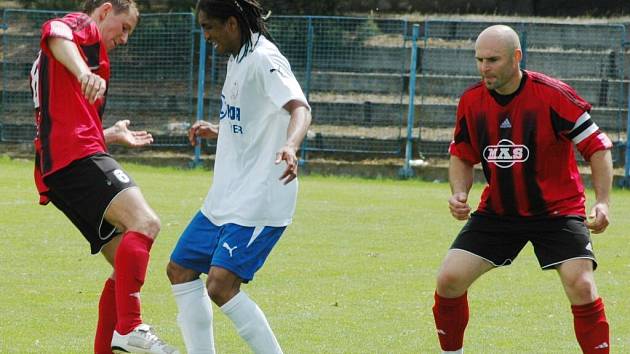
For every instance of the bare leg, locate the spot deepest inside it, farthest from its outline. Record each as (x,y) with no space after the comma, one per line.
(457,273)
(589,317)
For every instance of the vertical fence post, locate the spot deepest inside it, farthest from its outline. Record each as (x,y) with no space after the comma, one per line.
(191,72)
(213,78)
(200,93)
(5,46)
(407,171)
(626,180)
(309,57)
(524,46)
(307,79)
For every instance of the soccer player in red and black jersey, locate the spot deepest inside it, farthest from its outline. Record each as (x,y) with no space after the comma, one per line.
(69,81)
(522,127)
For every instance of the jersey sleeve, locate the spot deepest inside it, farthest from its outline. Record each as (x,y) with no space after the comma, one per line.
(461,146)
(54,29)
(278,80)
(587,136)
(572,120)
(78,28)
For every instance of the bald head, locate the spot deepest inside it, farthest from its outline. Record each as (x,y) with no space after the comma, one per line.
(500,37)
(498,54)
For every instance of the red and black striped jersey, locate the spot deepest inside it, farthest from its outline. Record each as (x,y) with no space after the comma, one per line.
(68,126)
(524,142)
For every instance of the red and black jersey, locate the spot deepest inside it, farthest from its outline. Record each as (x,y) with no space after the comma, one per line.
(525,144)
(68,126)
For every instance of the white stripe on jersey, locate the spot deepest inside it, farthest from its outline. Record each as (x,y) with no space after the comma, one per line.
(585,134)
(35,80)
(583,119)
(60,29)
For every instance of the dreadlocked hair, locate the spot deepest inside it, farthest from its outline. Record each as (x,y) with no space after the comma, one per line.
(118,5)
(249,14)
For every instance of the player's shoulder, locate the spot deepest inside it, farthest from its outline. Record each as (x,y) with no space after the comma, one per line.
(555,89)
(473,92)
(264,48)
(547,82)
(266,55)
(78,23)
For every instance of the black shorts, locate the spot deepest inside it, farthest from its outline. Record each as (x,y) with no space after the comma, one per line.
(500,240)
(83,191)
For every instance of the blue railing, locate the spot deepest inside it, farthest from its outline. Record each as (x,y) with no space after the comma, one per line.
(375,86)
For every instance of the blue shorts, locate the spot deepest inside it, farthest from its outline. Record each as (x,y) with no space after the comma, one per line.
(239,249)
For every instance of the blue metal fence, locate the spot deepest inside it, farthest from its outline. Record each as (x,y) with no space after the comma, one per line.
(588,57)
(341,64)
(360,74)
(151,84)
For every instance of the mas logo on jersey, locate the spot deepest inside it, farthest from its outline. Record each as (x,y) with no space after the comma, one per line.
(505,154)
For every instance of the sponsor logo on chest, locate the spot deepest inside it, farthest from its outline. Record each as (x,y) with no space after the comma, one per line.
(232,113)
(505,153)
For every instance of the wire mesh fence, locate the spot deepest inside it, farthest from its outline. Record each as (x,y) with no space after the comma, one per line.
(590,58)
(151,83)
(354,71)
(20,44)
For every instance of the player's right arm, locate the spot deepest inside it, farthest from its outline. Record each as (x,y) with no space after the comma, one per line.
(67,53)
(202,129)
(460,176)
(602,177)
(463,158)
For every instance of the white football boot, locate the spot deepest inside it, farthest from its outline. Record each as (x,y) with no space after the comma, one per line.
(141,340)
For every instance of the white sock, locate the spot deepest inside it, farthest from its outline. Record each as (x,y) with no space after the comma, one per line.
(460,351)
(251,324)
(195,316)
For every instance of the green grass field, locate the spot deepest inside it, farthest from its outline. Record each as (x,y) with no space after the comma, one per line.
(353,274)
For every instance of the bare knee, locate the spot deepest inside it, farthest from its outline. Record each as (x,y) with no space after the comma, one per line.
(581,289)
(221,289)
(130,212)
(578,281)
(148,224)
(450,284)
(179,275)
(151,225)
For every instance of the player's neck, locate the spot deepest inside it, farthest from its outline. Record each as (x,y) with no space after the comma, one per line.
(511,86)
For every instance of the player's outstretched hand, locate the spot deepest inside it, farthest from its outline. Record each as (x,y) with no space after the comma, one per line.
(598,219)
(288,154)
(119,133)
(93,86)
(458,206)
(202,129)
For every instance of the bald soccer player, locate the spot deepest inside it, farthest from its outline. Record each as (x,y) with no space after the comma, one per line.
(522,127)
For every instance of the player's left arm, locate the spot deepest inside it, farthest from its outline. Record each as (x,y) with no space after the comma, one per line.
(601,176)
(298,126)
(119,133)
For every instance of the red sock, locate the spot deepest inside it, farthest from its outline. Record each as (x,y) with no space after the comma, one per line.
(130,265)
(106,319)
(591,327)
(451,318)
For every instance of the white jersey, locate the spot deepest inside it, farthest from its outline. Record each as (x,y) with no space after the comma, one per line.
(246,189)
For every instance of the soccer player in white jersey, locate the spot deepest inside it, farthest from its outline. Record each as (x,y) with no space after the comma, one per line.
(263,119)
